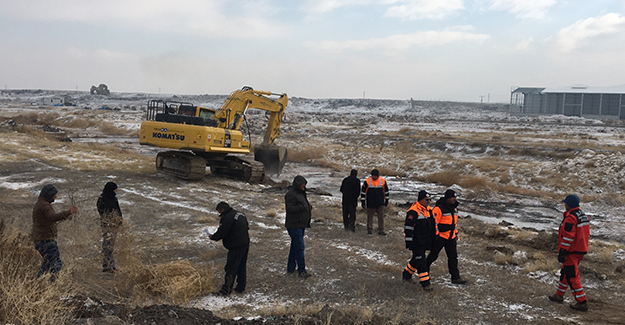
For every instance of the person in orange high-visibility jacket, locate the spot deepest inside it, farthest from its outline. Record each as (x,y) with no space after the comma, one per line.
(446,217)
(572,246)
(419,232)
(374,197)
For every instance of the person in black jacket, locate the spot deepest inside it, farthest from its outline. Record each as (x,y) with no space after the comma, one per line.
(110,221)
(233,229)
(374,197)
(351,192)
(298,215)
(419,232)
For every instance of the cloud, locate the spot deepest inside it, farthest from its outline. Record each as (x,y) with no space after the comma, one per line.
(424,9)
(536,9)
(405,41)
(323,6)
(194,17)
(525,44)
(583,31)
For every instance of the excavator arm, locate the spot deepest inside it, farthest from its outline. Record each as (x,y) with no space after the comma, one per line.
(231,114)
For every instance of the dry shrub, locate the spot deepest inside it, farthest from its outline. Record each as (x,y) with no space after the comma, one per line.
(328,164)
(110,128)
(306,154)
(271,214)
(177,282)
(613,199)
(446,178)
(391,172)
(475,182)
(502,259)
(24,299)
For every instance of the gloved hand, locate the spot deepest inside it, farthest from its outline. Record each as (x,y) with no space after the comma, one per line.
(562,256)
(385,202)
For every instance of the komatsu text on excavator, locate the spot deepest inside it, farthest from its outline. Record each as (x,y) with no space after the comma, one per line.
(207,137)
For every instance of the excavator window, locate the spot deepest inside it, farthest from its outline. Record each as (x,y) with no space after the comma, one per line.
(187,110)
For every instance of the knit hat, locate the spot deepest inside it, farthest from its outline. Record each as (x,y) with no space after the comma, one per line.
(422,195)
(222,206)
(375,172)
(450,193)
(48,192)
(572,201)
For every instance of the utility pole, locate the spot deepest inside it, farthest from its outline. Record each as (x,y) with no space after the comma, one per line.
(363,95)
(482,99)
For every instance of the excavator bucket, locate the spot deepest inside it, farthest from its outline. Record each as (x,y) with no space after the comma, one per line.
(273,157)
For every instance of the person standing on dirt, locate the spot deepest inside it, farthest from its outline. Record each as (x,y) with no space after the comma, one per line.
(374,197)
(446,217)
(110,221)
(298,216)
(573,237)
(44,231)
(233,229)
(351,192)
(419,233)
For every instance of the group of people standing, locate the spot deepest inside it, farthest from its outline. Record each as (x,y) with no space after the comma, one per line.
(44,230)
(425,229)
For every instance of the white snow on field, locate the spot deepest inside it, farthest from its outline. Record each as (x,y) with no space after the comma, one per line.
(5,183)
(366,253)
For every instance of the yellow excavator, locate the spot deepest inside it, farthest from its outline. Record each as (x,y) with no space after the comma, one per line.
(207,137)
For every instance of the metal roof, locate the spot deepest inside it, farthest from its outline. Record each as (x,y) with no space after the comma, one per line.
(582,89)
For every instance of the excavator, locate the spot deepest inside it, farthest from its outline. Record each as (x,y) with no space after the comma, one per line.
(204,136)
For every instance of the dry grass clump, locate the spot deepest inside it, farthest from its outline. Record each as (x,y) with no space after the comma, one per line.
(23,298)
(391,172)
(176,282)
(306,154)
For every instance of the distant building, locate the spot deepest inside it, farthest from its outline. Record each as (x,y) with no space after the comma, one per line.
(584,101)
(51,101)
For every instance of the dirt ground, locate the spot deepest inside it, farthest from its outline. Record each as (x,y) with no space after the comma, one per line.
(356,277)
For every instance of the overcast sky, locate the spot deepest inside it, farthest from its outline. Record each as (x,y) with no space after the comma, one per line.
(386,49)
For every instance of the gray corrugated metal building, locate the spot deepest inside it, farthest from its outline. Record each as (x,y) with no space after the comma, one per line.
(590,102)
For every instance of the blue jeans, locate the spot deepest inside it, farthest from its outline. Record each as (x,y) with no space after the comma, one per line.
(296,254)
(49,250)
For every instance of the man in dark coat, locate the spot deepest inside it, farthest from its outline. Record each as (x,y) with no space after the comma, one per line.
(233,229)
(44,231)
(298,215)
(419,232)
(446,216)
(351,192)
(110,221)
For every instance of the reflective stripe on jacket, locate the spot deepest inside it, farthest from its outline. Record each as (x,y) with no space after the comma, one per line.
(574,232)
(374,192)
(419,229)
(446,217)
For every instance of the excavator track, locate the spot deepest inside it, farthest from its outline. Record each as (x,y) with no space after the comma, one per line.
(245,169)
(181,164)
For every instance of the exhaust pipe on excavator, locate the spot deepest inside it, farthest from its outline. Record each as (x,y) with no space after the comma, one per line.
(273,157)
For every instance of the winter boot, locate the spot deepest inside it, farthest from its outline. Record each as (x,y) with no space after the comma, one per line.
(581,306)
(556,298)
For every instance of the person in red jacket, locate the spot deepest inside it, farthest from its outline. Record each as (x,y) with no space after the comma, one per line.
(572,246)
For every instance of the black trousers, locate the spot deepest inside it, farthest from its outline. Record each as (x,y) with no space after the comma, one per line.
(419,265)
(451,250)
(349,216)
(236,269)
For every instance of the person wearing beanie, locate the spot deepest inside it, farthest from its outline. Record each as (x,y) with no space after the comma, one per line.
(419,232)
(374,197)
(446,223)
(351,192)
(44,231)
(233,229)
(573,237)
(110,221)
(298,217)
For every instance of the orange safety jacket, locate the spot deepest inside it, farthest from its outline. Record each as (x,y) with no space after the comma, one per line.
(419,229)
(574,232)
(374,192)
(446,218)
